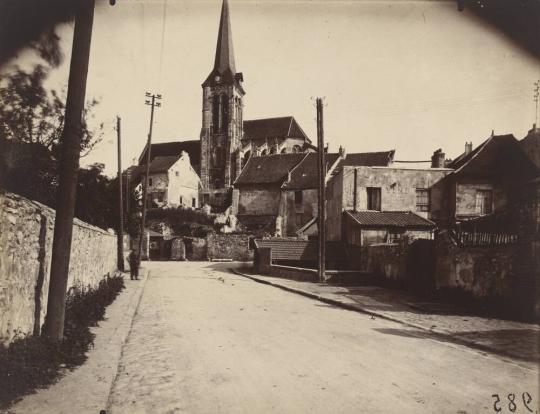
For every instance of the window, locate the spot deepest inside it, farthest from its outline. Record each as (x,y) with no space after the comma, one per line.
(298,197)
(394,236)
(150,182)
(193,202)
(299,219)
(181,200)
(374,198)
(423,199)
(484,201)
(177,173)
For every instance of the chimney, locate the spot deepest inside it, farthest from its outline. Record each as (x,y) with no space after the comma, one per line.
(468,147)
(342,152)
(437,159)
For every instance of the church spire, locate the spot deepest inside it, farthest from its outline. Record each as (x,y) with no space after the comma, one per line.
(224,51)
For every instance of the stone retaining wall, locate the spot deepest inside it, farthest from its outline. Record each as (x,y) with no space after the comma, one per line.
(229,246)
(26,235)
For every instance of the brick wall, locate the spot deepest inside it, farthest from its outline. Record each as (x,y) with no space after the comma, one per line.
(26,235)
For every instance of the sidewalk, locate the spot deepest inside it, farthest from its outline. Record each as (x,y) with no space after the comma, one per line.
(517,340)
(86,389)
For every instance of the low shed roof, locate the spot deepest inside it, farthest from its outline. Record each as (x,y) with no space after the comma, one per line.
(404,219)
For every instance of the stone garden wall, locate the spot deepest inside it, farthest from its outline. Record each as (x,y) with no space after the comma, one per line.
(26,235)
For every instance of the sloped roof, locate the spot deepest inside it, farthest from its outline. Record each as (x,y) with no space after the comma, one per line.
(499,156)
(162,164)
(167,149)
(268,169)
(304,175)
(293,249)
(405,219)
(369,159)
(270,128)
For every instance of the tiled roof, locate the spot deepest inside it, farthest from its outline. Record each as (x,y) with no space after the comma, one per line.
(304,175)
(305,250)
(162,164)
(390,219)
(166,149)
(369,159)
(268,169)
(270,128)
(500,156)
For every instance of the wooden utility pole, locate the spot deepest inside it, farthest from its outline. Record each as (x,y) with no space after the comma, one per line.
(69,168)
(322,192)
(153,104)
(120,233)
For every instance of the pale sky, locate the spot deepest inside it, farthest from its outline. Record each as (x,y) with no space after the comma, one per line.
(407,75)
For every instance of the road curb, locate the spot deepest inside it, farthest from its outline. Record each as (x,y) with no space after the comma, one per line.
(441,334)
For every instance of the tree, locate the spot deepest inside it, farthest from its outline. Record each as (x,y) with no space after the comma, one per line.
(29,113)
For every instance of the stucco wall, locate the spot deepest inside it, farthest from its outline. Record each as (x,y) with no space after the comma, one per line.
(26,235)
(466,197)
(183,187)
(482,271)
(388,261)
(289,209)
(398,187)
(334,207)
(259,200)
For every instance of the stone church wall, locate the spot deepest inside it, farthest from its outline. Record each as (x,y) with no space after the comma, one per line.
(26,235)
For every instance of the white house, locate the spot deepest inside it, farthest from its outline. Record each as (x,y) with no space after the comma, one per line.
(172,182)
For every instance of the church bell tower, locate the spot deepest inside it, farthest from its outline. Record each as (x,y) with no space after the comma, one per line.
(222,123)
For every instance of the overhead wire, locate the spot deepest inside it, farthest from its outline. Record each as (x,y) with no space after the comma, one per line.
(162,48)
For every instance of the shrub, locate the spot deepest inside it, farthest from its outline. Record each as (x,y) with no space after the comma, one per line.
(36,362)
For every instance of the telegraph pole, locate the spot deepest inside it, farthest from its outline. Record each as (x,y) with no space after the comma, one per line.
(152,102)
(120,234)
(322,191)
(69,168)
(535,98)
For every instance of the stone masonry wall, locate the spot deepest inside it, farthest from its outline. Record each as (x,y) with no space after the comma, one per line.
(229,246)
(26,235)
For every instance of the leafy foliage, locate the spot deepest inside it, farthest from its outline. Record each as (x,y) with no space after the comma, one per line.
(35,362)
(183,221)
(31,114)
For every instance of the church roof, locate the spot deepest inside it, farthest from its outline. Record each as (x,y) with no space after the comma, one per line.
(270,128)
(268,169)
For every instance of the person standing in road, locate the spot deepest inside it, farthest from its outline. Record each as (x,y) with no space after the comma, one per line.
(134,265)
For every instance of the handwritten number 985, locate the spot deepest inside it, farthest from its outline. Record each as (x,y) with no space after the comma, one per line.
(512,406)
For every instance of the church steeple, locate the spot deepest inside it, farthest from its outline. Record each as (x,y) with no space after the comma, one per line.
(224,51)
(222,120)
(224,70)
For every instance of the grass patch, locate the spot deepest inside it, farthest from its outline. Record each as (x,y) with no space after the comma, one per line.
(32,362)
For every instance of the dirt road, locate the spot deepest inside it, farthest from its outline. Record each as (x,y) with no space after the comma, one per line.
(207,341)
